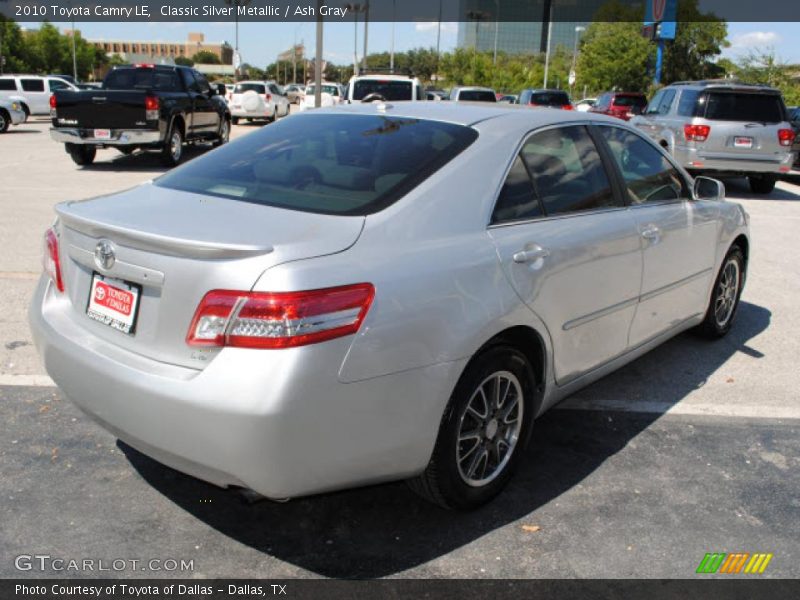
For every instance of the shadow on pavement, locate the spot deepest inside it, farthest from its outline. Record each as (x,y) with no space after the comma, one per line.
(141,160)
(384,530)
(15,129)
(739,189)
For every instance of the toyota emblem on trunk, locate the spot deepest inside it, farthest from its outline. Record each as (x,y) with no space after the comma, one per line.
(104,255)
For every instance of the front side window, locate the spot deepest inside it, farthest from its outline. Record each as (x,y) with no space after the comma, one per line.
(325,163)
(32,85)
(57,84)
(649,176)
(567,171)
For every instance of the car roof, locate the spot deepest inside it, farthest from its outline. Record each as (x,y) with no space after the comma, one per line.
(726,84)
(382,76)
(473,88)
(471,113)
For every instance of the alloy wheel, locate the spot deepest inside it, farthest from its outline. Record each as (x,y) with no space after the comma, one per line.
(727,292)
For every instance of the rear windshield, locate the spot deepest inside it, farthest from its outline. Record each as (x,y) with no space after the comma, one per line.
(326,89)
(241,88)
(141,79)
(477,96)
(635,101)
(740,106)
(389,90)
(336,164)
(550,99)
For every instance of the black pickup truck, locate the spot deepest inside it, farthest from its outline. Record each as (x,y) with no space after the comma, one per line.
(149,107)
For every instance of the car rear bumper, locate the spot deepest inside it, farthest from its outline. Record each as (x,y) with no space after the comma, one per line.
(276,421)
(697,159)
(119,137)
(241,113)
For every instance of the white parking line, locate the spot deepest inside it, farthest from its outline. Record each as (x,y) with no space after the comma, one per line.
(749,411)
(26,380)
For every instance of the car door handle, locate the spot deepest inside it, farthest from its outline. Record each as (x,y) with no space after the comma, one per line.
(651,232)
(530,255)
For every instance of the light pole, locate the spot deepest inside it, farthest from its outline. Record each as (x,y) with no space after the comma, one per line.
(74,58)
(318,59)
(356,8)
(438,40)
(496,27)
(549,40)
(366,34)
(391,50)
(572,74)
(236,4)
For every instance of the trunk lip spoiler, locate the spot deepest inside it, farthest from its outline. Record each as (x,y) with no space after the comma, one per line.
(162,244)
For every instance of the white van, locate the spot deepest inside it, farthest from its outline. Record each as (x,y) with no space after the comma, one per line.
(34,90)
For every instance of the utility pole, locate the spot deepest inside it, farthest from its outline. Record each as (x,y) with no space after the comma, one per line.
(549,40)
(366,34)
(438,40)
(318,59)
(74,59)
(496,27)
(391,51)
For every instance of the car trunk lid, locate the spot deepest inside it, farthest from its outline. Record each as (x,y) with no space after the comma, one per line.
(171,247)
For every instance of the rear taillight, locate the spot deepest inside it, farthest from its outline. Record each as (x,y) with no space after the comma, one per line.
(786,137)
(696,133)
(268,97)
(279,319)
(151,106)
(51,262)
(53,105)
(566,107)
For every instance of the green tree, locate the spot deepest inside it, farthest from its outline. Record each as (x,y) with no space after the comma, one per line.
(614,56)
(699,40)
(13,47)
(183,61)
(205,57)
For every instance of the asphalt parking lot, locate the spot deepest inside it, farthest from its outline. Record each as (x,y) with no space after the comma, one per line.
(693,448)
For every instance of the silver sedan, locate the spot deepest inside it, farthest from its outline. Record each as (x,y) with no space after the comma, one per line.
(380,292)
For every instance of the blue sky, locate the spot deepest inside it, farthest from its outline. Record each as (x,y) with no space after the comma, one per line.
(261,42)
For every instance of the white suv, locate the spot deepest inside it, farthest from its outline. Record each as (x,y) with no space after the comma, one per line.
(258,100)
(34,91)
(371,88)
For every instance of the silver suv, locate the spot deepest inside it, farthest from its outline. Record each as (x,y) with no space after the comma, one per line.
(723,128)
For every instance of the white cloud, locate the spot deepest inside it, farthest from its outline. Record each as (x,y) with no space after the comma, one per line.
(425,26)
(753,39)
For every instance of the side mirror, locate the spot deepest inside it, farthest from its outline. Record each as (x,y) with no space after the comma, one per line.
(706,188)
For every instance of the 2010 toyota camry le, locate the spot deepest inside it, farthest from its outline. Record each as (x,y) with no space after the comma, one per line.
(380,292)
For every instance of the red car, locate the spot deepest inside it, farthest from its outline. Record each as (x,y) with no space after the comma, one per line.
(622,105)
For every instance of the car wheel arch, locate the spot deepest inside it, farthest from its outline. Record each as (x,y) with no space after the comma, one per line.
(529,342)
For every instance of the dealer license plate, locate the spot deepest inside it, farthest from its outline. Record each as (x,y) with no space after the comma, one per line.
(743,142)
(114,302)
(102,134)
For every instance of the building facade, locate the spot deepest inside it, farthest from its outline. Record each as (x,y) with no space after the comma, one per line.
(194,43)
(508,24)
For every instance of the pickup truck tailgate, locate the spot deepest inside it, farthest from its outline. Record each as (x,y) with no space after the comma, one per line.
(107,109)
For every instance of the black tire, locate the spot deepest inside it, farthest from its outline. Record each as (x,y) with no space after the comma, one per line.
(717,321)
(444,481)
(224,133)
(234,120)
(762,184)
(172,151)
(5,121)
(82,155)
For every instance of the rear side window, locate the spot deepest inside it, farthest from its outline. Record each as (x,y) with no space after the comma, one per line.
(8,85)
(258,88)
(649,177)
(339,164)
(517,200)
(687,103)
(567,171)
(549,99)
(32,85)
(477,96)
(389,90)
(742,106)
